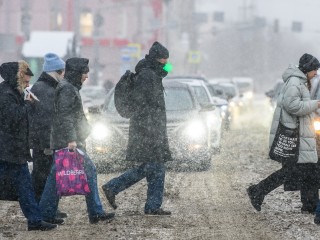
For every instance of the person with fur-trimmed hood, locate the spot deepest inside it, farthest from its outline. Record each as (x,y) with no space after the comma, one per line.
(15,154)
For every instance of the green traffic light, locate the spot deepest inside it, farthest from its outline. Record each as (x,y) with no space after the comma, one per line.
(168,67)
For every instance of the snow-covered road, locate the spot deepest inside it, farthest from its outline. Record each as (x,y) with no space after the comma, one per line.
(205,205)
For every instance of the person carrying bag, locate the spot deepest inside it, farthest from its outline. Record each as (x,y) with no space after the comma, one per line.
(293,115)
(70,129)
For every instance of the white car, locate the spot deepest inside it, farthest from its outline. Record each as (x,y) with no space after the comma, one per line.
(245,86)
(203,95)
(92,96)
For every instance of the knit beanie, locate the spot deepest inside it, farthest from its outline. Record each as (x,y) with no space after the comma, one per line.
(157,51)
(52,63)
(308,63)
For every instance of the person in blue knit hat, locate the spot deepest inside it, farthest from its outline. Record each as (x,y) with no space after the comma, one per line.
(53,63)
(41,121)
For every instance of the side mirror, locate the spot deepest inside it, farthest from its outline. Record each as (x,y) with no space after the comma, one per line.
(94,109)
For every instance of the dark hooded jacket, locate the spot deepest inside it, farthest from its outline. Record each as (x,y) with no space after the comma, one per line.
(41,119)
(69,121)
(13,115)
(148,141)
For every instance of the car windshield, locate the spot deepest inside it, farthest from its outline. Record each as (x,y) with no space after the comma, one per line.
(201,94)
(244,84)
(230,90)
(178,99)
(216,90)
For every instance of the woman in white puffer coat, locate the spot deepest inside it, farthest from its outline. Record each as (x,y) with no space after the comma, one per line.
(295,103)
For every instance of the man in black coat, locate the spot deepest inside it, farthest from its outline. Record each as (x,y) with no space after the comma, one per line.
(41,120)
(70,129)
(148,141)
(15,153)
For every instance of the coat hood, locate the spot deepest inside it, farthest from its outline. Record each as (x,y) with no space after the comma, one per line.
(9,71)
(293,71)
(75,67)
(152,64)
(158,51)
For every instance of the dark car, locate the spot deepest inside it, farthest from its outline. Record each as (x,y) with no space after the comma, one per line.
(190,135)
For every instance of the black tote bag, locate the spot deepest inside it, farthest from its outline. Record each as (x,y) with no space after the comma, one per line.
(285,146)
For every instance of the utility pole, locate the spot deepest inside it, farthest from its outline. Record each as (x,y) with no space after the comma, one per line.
(25,18)
(73,25)
(98,21)
(166,25)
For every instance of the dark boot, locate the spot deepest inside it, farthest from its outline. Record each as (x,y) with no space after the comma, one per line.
(103,217)
(309,198)
(256,197)
(56,220)
(42,226)
(158,212)
(111,197)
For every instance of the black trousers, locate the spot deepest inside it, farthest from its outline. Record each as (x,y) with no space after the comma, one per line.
(309,193)
(41,168)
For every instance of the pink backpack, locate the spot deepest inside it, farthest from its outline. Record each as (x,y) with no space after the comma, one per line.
(71,178)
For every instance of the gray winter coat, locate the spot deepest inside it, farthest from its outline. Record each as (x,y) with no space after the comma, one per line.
(294,99)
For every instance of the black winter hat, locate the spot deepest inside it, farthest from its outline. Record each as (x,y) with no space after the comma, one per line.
(9,70)
(308,63)
(157,51)
(77,64)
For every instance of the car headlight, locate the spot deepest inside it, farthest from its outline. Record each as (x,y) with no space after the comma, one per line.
(213,119)
(232,104)
(316,125)
(100,131)
(224,108)
(249,95)
(195,130)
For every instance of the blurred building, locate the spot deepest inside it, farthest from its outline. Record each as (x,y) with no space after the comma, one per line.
(111,33)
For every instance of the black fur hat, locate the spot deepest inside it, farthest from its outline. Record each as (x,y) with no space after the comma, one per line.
(308,63)
(158,51)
